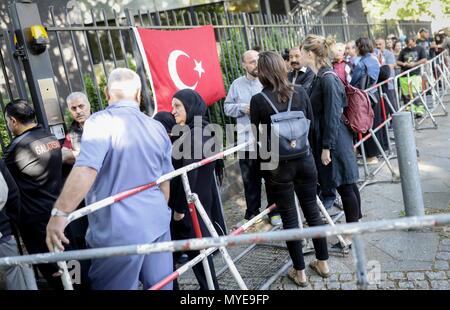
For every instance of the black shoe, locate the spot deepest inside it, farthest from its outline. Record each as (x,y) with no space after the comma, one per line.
(337,247)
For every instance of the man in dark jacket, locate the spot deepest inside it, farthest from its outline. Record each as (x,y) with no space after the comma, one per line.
(16,277)
(300,74)
(34,160)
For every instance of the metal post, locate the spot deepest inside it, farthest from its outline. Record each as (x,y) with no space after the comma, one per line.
(198,232)
(287,7)
(38,67)
(360,262)
(369,32)
(245,30)
(268,10)
(330,221)
(11,50)
(209,225)
(65,275)
(407,161)
(322,27)
(386,28)
(345,21)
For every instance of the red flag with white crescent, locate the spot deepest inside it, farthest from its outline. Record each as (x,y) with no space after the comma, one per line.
(179,59)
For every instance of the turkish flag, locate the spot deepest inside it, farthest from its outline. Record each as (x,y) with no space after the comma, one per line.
(180,59)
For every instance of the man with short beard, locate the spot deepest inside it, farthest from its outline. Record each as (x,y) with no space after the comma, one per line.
(237,105)
(34,160)
(300,74)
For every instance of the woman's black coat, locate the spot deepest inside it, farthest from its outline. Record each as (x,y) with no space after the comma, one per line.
(328,99)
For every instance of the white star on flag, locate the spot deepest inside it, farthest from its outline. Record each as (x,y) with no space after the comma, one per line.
(199,68)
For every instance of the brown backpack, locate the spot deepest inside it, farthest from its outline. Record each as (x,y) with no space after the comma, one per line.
(358,115)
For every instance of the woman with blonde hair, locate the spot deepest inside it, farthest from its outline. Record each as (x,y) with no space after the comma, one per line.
(332,140)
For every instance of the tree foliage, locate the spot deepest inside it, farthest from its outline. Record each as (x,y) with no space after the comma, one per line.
(409,9)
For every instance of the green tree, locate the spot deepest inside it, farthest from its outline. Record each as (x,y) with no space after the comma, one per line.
(3,133)
(409,9)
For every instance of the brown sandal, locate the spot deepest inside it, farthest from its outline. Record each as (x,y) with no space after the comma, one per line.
(292,274)
(313,265)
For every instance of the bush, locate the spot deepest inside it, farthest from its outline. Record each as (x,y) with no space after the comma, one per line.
(92,95)
(3,133)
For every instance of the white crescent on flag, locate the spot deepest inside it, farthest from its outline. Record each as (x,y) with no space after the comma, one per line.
(172,64)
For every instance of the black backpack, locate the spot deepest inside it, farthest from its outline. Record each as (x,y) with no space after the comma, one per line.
(291,128)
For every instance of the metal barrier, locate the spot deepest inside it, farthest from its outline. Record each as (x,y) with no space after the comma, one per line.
(438,86)
(215,242)
(195,206)
(193,203)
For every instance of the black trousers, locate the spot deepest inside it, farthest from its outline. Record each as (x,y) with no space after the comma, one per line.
(299,176)
(392,98)
(351,202)
(198,269)
(370,145)
(33,235)
(251,177)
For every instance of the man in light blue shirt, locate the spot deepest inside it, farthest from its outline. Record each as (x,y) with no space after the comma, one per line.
(237,105)
(121,148)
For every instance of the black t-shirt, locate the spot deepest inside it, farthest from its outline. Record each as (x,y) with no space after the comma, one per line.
(34,160)
(426,46)
(412,55)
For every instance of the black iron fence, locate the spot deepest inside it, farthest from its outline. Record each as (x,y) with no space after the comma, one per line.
(83,52)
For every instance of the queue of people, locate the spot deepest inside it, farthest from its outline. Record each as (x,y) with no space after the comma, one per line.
(42,180)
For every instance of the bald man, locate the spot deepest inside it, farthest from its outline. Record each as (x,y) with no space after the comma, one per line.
(121,148)
(387,58)
(237,105)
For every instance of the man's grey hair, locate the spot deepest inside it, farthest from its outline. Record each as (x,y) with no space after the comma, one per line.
(76,96)
(244,55)
(123,83)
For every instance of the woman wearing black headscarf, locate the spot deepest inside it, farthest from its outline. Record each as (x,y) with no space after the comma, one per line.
(189,110)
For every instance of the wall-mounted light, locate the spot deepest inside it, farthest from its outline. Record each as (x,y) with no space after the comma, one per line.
(39,38)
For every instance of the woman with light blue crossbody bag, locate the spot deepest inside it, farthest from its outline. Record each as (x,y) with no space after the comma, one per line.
(284,113)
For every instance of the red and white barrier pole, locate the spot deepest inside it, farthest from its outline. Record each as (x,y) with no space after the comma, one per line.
(125,194)
(177,273)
